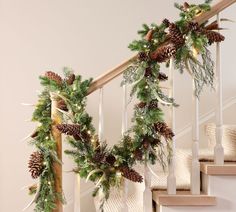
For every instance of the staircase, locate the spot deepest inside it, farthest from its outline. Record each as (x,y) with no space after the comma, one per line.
(195,177)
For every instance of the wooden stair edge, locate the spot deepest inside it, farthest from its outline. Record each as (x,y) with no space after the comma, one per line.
(183,198)
(227,169)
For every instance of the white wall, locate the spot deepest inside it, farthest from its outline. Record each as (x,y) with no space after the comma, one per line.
(91,37)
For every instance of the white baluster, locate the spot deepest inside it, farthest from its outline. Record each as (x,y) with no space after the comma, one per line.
(147,194)
(218,150)
(99,196)
(171,179)
(195,172)
(101,117)
(77,194)
(124,127)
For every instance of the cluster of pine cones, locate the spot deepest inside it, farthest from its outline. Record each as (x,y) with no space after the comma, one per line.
(177,39)
(55,77)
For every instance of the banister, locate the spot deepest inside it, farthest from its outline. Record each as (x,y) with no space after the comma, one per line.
(113,73)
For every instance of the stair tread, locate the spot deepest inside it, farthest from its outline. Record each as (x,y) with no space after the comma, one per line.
(183,198)
(210,168)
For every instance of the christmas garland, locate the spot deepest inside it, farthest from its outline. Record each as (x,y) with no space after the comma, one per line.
(149,137)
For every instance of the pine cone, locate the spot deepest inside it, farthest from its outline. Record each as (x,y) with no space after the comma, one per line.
(110,159)
(176,36)
(193,26)
(213,36)
(131,174)
(53,76)
(138,154)
(35,164)
(148,72)
(70,79)
(164,53)
(62,105)
(146,142)
(164,130)
(153,104)
(162,76)
(166,22)
(148,36)
(141,105)
(142,56)
(70,129)
(99,157)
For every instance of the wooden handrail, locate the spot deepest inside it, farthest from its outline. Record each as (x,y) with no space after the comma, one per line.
(113,73)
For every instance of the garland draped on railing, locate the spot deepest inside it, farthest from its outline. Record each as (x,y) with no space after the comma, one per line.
(149,137)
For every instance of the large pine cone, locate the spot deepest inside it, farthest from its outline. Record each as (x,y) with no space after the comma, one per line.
(70,129)
(110,159)
(164,130)
(70,79)
(99,157)
(131,174)
(35,164)
(166,22)
(213,36)
(142,56)
(176,36)
(153,104)
(53,76)
(141,105)
(193,26)
(164,53)
(138,154)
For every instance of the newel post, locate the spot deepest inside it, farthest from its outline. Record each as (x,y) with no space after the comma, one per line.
(56,119)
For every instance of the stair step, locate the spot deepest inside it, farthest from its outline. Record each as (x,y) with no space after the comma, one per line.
(183,198)
(210,168)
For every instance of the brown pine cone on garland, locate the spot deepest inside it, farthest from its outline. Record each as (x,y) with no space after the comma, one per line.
(162,76)
(166,22)
(35,164)
(131,174)
(213,36)
(148,36)
(164,130)
(153,104)
(146,142)
(163,53)
(70,79)
(148,72)
(176,37)
(110,159)
(138,154)
(193,26)
(99,157)
(142,56)
(53,76)
(62,105)
(141,105)
(70,129)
